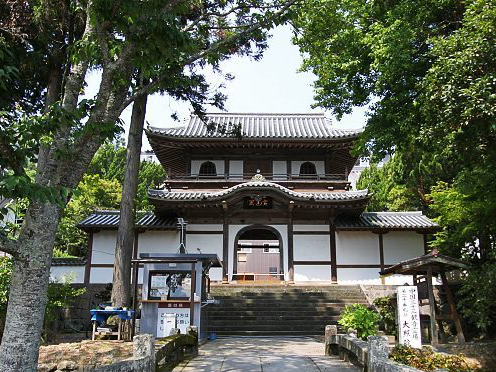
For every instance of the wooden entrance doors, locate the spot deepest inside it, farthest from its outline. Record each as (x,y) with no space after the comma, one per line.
(258,255)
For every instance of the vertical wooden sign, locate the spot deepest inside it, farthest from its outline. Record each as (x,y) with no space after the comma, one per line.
(409,317)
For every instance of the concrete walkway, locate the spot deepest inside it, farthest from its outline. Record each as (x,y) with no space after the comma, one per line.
(264,354)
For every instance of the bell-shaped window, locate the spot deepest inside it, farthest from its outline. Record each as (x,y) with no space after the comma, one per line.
(207,169)
(308,169)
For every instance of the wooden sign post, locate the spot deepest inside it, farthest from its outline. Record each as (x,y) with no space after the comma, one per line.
(409,317)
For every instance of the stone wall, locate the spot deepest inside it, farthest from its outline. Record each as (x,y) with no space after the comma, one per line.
(371,355)
(142,360)
(148,354)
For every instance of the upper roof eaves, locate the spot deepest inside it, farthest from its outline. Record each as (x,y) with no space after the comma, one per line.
(258,126)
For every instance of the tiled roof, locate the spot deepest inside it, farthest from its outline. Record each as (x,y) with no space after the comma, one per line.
(68,261)
(262,126)
(105,219)
(419,265)
(214,195)
(386,220)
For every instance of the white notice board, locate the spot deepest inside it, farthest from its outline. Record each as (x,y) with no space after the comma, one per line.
(165,323)
(408,317)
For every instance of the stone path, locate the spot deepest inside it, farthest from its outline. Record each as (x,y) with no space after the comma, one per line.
(264,354)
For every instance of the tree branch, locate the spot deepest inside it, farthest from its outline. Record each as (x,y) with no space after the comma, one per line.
(214,47)
(8,245)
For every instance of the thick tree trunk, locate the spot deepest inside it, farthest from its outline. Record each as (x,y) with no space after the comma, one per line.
(125,233)
(28,290)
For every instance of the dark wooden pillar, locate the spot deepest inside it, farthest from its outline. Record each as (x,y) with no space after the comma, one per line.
(226,169)
(225,250)
(327,164)
(426,246)
(454,314)
(87,269)
(290,244)
(188,165)
(432,308)
(332,246)
(288,169)
(381,255)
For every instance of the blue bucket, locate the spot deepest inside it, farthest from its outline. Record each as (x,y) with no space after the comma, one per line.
(212,336)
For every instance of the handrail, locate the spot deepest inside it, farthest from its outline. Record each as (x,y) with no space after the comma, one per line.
(249,176)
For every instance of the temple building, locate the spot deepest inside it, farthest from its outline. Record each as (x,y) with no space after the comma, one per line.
(270,195)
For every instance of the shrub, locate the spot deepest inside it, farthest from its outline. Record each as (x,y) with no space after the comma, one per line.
(361,318)
(60,295)
(427,360)
(387,314)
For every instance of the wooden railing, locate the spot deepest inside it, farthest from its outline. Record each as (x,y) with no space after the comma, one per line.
(248,177)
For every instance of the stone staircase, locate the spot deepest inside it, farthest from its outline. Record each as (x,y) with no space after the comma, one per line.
(274,310)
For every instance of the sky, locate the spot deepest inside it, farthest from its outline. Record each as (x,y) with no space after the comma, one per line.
(271,85)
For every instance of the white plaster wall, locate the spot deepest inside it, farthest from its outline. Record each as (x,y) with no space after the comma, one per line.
(296,164)
(73,274)
(357,247)
(159,242)
(304,273)
(204,227)
(358,276)
(195,166)
(279,169)
(402,245)
(104,247)
(282,229)
(208,243)
(311,228)
(101,275)
(311,248)
(236,168)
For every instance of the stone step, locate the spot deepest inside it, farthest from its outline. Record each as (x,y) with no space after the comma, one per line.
(301,301)
(231,324)
(286,308)
(271,313)
(272,317)
(270,333)
(269,328)
(270,310)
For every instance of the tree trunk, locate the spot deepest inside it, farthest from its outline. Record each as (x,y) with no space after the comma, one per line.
(28,290)
(125,233)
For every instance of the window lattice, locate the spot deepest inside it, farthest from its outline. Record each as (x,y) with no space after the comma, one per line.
(208,169)
(308,169)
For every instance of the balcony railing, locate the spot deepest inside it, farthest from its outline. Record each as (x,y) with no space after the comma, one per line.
(268,176)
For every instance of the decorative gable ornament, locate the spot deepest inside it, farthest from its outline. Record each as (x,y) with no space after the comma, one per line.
(258,178)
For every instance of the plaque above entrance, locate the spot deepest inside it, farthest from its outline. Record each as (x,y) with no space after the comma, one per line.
(257,202)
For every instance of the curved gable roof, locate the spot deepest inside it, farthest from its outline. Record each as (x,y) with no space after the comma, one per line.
(217,195)
(258,126)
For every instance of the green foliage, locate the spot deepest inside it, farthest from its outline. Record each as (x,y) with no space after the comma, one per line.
(426,71)
(390,190)
(60,295)
(93,192)
(477,296)
(360,318)
(387,313)
(109,161)
(151,175)
(426,359)
(5,274)
(101,188)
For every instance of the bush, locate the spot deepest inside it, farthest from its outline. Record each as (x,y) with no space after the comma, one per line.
(60,295)
(427,360)
(361,318)
(387,314)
